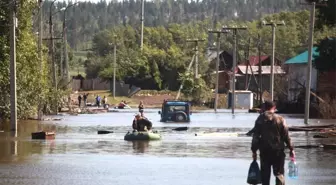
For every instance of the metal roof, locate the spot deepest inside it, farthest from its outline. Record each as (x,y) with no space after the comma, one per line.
(177,103)
(302,58)
(264,69)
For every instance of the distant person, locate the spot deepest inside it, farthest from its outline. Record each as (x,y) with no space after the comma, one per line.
(98,101)
(79,100)
(85,96)
(141,106)
(105,102)
(269,137)
(141,124)
(121,105)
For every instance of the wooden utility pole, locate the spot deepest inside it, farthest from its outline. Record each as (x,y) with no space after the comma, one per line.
(114,65)
(40,20)
(309,64)
(310,56)
(235,40)
(260,71)
(13,100)
(247,54)
(273,25)
(142,22)
(218,32)
(196,41)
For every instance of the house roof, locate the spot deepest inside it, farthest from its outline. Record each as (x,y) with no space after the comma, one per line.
(302,58)
(254,60)
(264,69)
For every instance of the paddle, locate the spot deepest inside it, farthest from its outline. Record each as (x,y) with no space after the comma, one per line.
(175,129)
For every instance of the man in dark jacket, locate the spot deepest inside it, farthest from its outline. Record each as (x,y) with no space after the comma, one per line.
(141,124)
(269,137)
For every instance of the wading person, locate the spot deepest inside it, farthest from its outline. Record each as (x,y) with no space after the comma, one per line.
(141,124)
(269,137)
(141,106)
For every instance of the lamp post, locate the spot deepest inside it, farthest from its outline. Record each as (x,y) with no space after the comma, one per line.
(65,52)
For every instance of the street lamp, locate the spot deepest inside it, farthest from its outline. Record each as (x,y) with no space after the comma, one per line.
(65,45)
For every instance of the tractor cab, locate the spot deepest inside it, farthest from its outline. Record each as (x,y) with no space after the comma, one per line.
(175,111)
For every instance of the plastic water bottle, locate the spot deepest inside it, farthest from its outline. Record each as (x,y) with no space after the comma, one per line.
(293,170)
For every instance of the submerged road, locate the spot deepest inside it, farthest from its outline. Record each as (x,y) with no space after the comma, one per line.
(79,156)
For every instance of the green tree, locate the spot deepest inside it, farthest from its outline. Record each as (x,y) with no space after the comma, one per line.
(326,60)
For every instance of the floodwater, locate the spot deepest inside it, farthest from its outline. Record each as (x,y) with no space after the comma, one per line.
(79,156)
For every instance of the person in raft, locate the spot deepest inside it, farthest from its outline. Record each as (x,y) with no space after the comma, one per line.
(142,114)
(122,104)
(141,124)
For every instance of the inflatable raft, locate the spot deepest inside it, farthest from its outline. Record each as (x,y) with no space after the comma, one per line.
(142,136)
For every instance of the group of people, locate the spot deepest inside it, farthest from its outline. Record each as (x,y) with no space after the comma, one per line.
(84,98)
(122,104)
(100,101)
(270,137)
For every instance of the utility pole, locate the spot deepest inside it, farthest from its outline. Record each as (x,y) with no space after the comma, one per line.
(234,29)
(114,65)
(310,55)
(247,54)
(142,22)
(309,64)
(13,101)
(65,53)
(40,17)
(52,49)
(196,41)
(218,32)
(260,70)
(273,25)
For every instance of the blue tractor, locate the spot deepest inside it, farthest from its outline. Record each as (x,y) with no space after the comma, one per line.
(175,111)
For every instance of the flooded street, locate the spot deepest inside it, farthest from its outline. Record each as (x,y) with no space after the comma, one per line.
(79,156)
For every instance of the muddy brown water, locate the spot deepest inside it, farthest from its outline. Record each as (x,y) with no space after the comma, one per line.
(80,156)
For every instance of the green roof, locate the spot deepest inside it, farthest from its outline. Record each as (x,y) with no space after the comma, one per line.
(302,58)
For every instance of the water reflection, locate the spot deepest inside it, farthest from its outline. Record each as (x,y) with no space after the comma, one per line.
(140,146)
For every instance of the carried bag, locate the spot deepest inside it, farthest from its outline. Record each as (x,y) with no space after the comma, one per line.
(254,174)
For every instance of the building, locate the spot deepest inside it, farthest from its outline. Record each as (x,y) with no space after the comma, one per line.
(248,77)
(297,75)
(225,71)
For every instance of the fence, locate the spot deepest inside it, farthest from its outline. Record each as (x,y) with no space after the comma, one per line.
(122,89)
